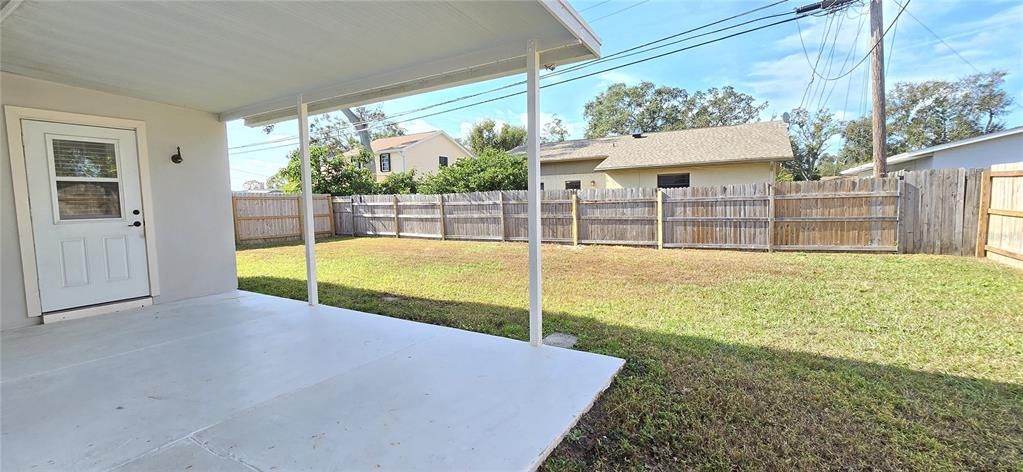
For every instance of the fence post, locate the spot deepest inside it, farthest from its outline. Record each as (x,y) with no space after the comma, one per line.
(330,215)
(397,227)
(575,219)
(443,229)
(899,220)
(660,219)
(351,206)
(770,217)
(234,212)
(301,218)
(500,203)
(983,216)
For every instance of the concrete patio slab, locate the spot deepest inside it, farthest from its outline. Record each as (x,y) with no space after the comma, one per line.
(259,382)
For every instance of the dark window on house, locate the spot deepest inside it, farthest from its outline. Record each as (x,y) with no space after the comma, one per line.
(385,162)
(672,180)
(573,184)
(541,185)
(442,161)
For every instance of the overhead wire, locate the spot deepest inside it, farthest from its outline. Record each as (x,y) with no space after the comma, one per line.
(618,11)
(590,74)
(632,51)
(936,36)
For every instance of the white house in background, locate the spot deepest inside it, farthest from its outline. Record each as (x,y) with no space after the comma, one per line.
(1002,147)
(115,196)
(722,155)
(425,153)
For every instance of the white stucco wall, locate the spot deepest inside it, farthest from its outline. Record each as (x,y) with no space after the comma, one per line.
(984,154)
(192,200)
(699,176)
(553,175)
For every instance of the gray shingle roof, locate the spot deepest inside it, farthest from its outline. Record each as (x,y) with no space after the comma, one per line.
(751,142)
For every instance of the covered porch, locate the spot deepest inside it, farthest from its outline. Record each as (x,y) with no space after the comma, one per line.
(243,381)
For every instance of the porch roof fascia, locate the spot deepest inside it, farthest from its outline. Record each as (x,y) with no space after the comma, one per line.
(348,94)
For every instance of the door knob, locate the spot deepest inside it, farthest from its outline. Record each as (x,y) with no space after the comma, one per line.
(136,224)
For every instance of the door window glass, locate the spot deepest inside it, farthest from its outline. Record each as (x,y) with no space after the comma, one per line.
(84,159)
(85,174)
(88,200)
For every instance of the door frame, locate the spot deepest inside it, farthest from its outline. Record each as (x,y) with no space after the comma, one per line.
(15,142)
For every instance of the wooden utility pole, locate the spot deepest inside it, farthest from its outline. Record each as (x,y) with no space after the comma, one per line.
(880,133)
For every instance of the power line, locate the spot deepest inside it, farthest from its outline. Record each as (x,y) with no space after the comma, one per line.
(831,60)
(879,40)
(264,149)
(288,138)
(891,48)
(594,6)
(590,74)
(820,51)
(950,48)
(613,56)
(618,11)
(848,56)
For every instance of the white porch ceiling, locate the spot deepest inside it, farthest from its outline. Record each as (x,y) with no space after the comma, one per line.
(251,59)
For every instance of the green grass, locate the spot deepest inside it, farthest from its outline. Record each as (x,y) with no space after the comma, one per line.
(734,360)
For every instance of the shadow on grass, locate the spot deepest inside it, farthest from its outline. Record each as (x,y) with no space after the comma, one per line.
(685,402)
(240,247)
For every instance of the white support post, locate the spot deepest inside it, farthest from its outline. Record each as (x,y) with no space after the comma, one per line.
(534,196)
(309,226)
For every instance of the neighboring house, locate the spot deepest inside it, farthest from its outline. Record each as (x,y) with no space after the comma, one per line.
(723,155)
(1002,147)
(425,153)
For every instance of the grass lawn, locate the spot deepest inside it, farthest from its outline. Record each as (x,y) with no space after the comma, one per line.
(734,360)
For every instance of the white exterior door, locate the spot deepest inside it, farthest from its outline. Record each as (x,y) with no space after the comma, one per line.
(86,206)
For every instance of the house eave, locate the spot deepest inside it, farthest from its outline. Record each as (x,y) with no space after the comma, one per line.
(695,164)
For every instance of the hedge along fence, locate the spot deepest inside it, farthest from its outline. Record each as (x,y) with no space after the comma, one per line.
(841,215)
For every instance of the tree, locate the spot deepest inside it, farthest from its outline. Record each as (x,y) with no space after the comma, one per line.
(400,183)
(331,173)
(254,185)
(858,142)
(936,111)
(339,136)
(931,113)
(621,109)
(490,170)
(809,135)
(485,135)
(554,131)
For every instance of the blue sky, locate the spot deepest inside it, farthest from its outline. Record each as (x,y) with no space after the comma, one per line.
(768,64)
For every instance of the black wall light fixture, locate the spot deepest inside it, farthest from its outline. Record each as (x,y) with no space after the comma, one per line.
(176,158)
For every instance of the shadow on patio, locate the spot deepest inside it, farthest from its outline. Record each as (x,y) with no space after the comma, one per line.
(694,402)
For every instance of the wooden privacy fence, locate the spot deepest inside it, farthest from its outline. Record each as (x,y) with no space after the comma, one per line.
(934,211)
(941,211)
(840,215)
(268,217)
(1000,232)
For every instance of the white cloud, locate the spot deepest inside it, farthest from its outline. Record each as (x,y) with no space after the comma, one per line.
(418,126)
(616,76)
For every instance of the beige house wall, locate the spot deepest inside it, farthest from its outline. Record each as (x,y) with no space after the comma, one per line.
(699,176)
(191,206)
(553,175)
(422,157)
